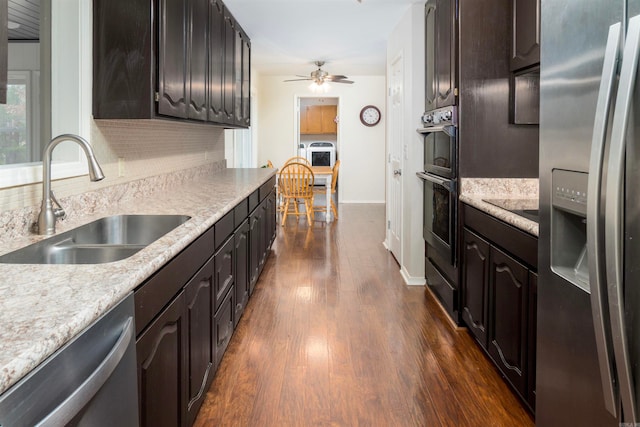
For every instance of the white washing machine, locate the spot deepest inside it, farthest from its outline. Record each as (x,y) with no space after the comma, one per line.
(321,153)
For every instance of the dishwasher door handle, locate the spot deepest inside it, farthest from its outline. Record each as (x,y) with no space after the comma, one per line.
(77,400)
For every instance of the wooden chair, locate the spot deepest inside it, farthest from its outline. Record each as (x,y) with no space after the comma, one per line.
(298,159)
(323,191)
(270,165)
(296,183)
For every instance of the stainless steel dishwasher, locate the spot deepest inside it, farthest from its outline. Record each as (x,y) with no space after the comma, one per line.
(90,381)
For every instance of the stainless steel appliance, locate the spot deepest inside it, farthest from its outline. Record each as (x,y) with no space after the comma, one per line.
(91,381)
(440,208)
(588,331)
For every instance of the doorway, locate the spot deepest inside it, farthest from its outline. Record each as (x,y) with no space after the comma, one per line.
(317,136)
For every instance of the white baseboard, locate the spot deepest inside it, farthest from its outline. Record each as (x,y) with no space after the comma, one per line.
(385,243)
(363,202)
(412,280)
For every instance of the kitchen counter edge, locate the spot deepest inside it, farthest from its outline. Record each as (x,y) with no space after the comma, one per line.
(42,307)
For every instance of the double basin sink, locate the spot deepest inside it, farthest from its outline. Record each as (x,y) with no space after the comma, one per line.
(108,239)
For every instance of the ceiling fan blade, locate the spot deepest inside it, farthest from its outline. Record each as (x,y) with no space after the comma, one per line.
(342,81)
(296,80)
(335,77)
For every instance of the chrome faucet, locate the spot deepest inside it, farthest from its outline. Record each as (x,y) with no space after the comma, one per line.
(48,214)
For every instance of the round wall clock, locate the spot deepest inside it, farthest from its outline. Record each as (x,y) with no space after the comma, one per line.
(370,115)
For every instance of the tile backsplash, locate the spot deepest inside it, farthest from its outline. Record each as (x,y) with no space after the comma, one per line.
(134,155)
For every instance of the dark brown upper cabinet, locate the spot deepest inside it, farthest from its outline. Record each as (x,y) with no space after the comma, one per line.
(440,53)
(187,60)
(525,31)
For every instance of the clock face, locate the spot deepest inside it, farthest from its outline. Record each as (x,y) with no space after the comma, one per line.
(370,115)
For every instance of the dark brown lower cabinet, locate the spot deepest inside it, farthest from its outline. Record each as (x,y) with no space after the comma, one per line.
(475,275)
(508,296)
(241,242)
(162,374)
(199,294)
(499,296)
(533,305)
(223,325)
(187,311)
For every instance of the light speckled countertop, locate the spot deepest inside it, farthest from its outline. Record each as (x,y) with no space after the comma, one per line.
(43,306)
(521,193)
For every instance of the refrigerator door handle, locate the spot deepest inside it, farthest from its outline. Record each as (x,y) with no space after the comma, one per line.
(614,219)
(594,244)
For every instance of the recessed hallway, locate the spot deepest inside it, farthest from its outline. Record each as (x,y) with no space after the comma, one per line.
(333,337)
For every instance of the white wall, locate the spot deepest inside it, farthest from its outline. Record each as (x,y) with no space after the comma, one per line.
(362,149)
(408,38)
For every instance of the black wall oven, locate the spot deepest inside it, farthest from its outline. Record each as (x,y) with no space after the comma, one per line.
(440,212)
(440,181)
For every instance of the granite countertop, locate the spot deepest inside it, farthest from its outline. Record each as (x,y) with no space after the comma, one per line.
(43,306)
(511,194)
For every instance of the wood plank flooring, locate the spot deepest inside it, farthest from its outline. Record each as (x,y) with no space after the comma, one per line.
(333,337)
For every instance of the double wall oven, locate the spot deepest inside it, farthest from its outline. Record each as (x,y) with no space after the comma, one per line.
(440,200)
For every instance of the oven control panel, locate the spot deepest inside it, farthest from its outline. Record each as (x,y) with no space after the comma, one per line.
(441,116)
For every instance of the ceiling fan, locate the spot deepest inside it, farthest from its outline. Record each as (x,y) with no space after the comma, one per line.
(320,76)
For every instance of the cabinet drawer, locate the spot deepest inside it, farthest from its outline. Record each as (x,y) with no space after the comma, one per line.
(254,200)
(267,187)
(224,263)
(224,228)
(240,212)
(515,241)
(156,292)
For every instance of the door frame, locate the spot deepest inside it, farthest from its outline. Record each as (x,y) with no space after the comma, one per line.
(296,124)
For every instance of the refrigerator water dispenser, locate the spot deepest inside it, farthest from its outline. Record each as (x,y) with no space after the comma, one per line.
(569,255)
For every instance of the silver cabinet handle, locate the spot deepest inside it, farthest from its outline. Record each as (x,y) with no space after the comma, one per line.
(77,400)
(397,172)
(614,217)
(594,244)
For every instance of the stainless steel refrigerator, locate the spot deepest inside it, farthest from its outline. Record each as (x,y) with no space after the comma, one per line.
(588,330)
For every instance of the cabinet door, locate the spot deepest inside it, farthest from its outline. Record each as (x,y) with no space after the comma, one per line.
(241,242)
(217,30)
(162,373)
(224,265)
(237,75)
(328,125)
(445,60)
(314,119)
(223,326)
(198,55)
(531,350)
(440,53)
(229,67)
(508,299)
(246,81)
(200,310)
(271,217)
(525,46)
(475,277)
(430,55)
(255,225)
(172,59)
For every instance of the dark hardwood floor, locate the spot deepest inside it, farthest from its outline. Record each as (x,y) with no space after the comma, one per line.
(333,337)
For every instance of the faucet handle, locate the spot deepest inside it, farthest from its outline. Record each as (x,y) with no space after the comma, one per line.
(57,211)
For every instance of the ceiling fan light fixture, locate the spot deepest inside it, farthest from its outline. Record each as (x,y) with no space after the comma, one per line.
(319,87)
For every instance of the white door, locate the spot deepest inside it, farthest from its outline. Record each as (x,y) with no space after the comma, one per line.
(394,167)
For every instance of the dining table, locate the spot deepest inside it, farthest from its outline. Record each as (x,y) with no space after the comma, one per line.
(325,172)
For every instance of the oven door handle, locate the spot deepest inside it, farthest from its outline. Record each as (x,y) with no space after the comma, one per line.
(448,129)
(446,183)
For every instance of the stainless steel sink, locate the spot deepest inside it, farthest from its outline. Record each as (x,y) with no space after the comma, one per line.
(107,239)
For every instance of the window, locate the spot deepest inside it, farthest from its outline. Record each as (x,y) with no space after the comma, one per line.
(17,142)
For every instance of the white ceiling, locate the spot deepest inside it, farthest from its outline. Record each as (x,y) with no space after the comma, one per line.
(287,36)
